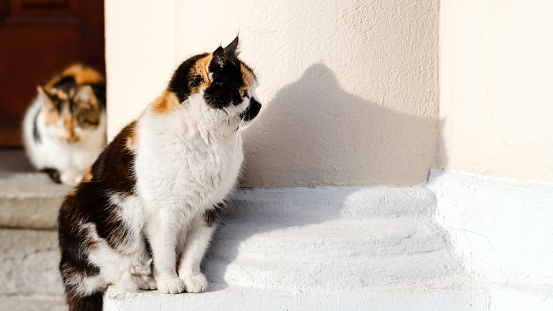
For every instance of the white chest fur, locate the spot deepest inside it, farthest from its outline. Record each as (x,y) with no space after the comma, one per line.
(185,162)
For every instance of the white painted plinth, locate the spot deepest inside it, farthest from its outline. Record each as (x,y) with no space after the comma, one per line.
(358,248)
(240,299)
(457,242)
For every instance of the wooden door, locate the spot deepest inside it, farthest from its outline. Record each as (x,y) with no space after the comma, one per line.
(39,38)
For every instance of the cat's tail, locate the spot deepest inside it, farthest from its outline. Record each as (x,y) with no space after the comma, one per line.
(93,302)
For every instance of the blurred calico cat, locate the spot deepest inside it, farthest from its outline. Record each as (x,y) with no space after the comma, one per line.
(64,129)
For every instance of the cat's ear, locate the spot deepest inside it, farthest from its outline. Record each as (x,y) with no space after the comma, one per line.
(85,94)
(221,55)
(45,98)
(231,49)
(217,60)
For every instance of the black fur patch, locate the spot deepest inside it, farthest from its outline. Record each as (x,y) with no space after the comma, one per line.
(227,81)
(93,302)
(252,111)
(68,84)
(227,78)
(212,216)
(53,173)
(99,90)
(114,166)
(36,134)
(181,82)
(88,203)
(74,263)
(66,80)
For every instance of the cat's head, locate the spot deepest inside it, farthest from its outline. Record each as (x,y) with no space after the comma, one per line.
(70,111)
(222,81)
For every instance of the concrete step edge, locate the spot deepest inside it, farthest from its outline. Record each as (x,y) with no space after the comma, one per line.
(242,298)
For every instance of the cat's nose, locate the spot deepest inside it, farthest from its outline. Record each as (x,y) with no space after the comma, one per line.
(70,138)
(252,111)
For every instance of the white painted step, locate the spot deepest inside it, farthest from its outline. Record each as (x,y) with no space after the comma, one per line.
(29,252)
(332,274)
(32,303)
(30,201)
(371,248)
(327,203)
(233,298)
(374,238)
(29,262)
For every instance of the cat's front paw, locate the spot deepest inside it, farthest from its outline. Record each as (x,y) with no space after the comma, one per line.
(195,284)
(70,179)
(170,286)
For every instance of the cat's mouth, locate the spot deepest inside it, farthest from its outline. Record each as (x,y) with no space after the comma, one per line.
(252,111)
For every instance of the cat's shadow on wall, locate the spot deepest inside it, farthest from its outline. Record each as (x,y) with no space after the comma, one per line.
(397,148)
(314,132)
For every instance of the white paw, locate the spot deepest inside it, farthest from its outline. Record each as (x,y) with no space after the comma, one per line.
(147,282)
(70,179)
(170,286)
(127,283)
(195,284)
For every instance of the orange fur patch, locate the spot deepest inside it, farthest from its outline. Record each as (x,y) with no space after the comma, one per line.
(73,191)
(81,74)
(201,68)
(87,177)
(61,95)
(70,134)
(165,104)
(51,116)
(132,139)
(247,77)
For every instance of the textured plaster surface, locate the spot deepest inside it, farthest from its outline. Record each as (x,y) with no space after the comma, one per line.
(349,88)
(495,88)
(139,56)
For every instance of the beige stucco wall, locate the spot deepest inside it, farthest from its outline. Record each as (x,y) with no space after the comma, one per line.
(350,88)
(496,77)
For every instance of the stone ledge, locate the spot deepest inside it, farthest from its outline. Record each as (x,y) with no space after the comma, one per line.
(30,201)
(33,303)
(29,263)
(239,298)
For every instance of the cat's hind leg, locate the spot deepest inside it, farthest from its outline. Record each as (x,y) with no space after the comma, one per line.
(127,272)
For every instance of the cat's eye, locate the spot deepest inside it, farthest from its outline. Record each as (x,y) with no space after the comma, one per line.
(243,93)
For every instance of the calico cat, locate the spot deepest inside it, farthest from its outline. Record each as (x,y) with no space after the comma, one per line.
(157,190)
(64,129)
